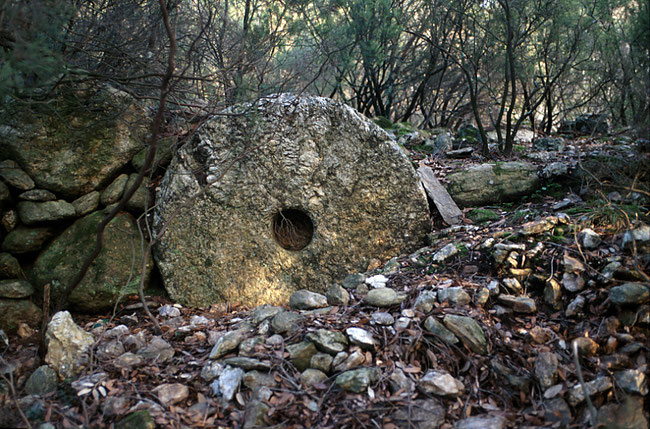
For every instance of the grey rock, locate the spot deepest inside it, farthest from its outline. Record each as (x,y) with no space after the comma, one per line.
(382,318)
(110,349)
(576,395)
(353,360)
(110,276)
(469,332)
(481,297)
(211,370)
(13,175)
(228,343)
(114,191)
(557,411)
(520,382)
(549,144)
(425,301)
(24,240)
(640,236)
(322,362)
(114,406)
(589,238)
(128,361)
(304,299)
(337,295)
(312,376)
(172,393)
(67,345)
(399,381)
(632,381)
(454,295)
(300,354)
(86,203)
(42,381)
(264,312)
(32,213)
(546,367)
(391,267)
(248,347)
(520,304)
(141,200)
(158,350)
(37,195)
(117,332)
(553,294)
(402,323)
(575,306)
(328,341)
(286,321)
(432,325)
(15,289)
(420,414)
(229,382)
(256,380)
(485,184)
(247,363)
(9,267)
(361,337)
(445,253)
(441,383)
(513,285)
(314,154)
(482,422)
(169,311)
(630,294)
(357,380)
(627,415)
(351,281)
(573,282)
(254,414)
(382,297)
(135,342)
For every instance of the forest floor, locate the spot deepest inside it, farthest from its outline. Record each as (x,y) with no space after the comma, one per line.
(520,270)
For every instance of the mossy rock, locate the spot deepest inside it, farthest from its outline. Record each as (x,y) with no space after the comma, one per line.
(482,215)
(13,312)
(79,145)
(118,263)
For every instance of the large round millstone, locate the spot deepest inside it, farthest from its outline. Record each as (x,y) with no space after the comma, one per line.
(298,192)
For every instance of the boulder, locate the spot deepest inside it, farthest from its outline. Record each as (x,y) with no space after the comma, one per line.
(108,275)
(49,211)
(25,240)
(485,184)
(79,146)
(299,191)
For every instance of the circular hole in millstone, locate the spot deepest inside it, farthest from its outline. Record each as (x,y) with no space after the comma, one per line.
(292,229)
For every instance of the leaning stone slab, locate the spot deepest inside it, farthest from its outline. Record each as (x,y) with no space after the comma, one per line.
(484,184)
(109,276)
(299,191)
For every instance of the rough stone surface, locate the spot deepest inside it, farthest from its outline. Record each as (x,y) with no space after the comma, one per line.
(114,191)
(158,350)
(454,295)
(520,304)
(9,267)
(109,273)
(469,332)
(228,343)
(361,337)
(589,238)
(32,213)
(328,341)
(312,376)
(546,366)
(11,173)
(15,289)
(337,295)
(382,297)
(632,381)
(630,293)
(141,199)
(301,353)
(311,155)
(25,240)
(13,312)
(307,300)
(420,414)
(432,325)
(484,184)
(73,151)
(482,422)
(37,195)
(357,380)
(86,203)
(576,394)
(440,383)
(172,393)
(42,381)
(66,345)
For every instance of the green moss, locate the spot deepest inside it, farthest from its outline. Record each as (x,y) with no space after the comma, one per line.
(480,215)
(383,122)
